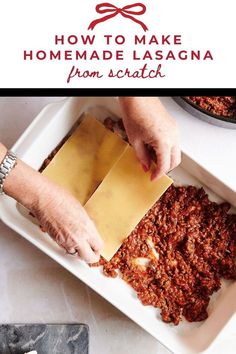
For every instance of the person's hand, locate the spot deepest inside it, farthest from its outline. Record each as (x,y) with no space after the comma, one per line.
(59,213)
(67,222)
(148,125)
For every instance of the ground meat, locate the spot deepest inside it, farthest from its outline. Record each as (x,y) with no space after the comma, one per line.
(116,126)
(188,243)
(224,106)
(176,255)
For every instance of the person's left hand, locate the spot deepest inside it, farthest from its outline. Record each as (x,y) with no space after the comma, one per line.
(148,124)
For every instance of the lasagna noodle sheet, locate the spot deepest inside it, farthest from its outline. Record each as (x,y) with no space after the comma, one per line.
(122,199)
(86,157)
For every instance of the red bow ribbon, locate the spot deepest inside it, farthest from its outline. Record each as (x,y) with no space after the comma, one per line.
(124,11)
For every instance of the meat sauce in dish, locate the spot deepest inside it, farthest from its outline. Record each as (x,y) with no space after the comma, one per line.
(176,256)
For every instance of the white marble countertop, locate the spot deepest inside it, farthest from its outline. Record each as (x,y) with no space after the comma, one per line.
(34,288)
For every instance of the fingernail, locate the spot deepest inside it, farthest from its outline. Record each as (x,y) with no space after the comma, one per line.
(145,168)
(153,177)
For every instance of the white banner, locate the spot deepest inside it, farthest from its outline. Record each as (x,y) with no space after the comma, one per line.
(117,44)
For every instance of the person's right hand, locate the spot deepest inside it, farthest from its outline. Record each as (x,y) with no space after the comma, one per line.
(152,132)
(67,222)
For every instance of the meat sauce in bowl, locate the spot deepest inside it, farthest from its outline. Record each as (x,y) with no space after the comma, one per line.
(222,106)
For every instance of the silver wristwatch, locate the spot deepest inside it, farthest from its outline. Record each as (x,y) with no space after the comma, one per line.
(6,166)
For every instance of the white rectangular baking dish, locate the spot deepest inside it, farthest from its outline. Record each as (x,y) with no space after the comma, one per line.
(41,137)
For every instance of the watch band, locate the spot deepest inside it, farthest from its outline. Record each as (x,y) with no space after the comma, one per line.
(8,163)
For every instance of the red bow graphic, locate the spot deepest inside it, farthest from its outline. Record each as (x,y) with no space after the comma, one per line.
(124,11)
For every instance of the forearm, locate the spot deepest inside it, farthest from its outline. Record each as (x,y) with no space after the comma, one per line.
(137,106)
(23,183)
(3,151)
(74,231)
